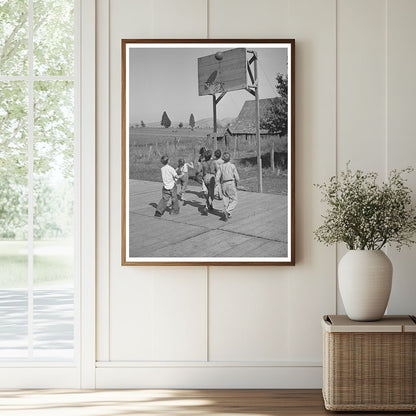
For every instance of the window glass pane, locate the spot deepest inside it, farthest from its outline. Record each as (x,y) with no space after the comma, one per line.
(13,161)
(53,319)
(53,195)
(54,127)
(13,37)
(53,37)
(13,219)
(13,324)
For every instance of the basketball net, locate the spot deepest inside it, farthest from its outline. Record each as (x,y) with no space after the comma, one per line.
(215,87)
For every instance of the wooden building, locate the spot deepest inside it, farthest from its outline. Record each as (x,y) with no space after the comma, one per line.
(243,130)
(245,124)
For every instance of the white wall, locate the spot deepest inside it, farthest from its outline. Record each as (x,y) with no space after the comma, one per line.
(254,326)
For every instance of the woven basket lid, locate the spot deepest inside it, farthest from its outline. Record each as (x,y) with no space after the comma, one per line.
(389,323)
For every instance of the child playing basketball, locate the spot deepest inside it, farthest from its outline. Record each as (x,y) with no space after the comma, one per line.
(182,171)
(228,177)
(169,189)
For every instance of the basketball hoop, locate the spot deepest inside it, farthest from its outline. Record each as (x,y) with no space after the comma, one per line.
(214,87)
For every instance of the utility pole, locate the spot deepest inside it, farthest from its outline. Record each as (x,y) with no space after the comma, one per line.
(256,89)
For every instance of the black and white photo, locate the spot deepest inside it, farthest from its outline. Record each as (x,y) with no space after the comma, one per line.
(208,152)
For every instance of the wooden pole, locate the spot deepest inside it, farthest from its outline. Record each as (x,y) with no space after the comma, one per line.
(272,154)
(259,172)
(214,118)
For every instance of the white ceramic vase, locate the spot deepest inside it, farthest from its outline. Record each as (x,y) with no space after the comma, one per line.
(364,278)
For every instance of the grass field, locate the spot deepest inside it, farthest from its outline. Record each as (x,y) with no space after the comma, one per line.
(148,144)
(52,263)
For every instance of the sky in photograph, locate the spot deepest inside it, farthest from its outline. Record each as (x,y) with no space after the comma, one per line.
(166,79)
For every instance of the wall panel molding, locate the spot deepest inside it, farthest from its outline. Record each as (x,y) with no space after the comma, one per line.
(210,377)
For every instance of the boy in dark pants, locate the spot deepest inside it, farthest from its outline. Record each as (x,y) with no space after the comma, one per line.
(217,163)
(169,189)
(208,181)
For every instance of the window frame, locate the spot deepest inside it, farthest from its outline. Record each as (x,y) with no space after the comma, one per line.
(81,371)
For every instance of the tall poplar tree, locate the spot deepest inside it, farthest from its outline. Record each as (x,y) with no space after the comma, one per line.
(165,122)
(192,121)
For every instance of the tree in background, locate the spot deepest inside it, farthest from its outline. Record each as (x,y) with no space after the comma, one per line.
(192,121)
(142,124)
(165,122)
(180,125)
(53,120)
(275,118)
(13,208)
(54,47)
(53,167)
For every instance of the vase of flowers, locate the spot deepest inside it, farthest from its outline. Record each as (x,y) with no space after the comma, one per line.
(366,215)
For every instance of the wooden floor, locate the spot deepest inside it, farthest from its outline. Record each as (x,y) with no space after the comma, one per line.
(165,402)
(258,227)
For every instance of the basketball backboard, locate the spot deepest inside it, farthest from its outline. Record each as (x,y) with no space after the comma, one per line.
(223,71)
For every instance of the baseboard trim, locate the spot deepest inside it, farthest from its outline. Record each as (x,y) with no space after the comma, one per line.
(210,377)
(39,378)
(204,364)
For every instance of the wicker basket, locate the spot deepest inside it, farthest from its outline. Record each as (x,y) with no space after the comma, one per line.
(369,366)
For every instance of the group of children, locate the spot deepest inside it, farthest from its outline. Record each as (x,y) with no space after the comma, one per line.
(219,179)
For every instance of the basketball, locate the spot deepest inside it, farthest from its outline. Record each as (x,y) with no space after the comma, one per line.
(218,56)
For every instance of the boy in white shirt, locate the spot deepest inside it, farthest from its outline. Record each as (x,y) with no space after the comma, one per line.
(169,189)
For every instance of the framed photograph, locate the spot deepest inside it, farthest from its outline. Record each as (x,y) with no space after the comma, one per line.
(208,152)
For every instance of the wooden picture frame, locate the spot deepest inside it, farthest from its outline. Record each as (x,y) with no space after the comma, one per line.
(182,100)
